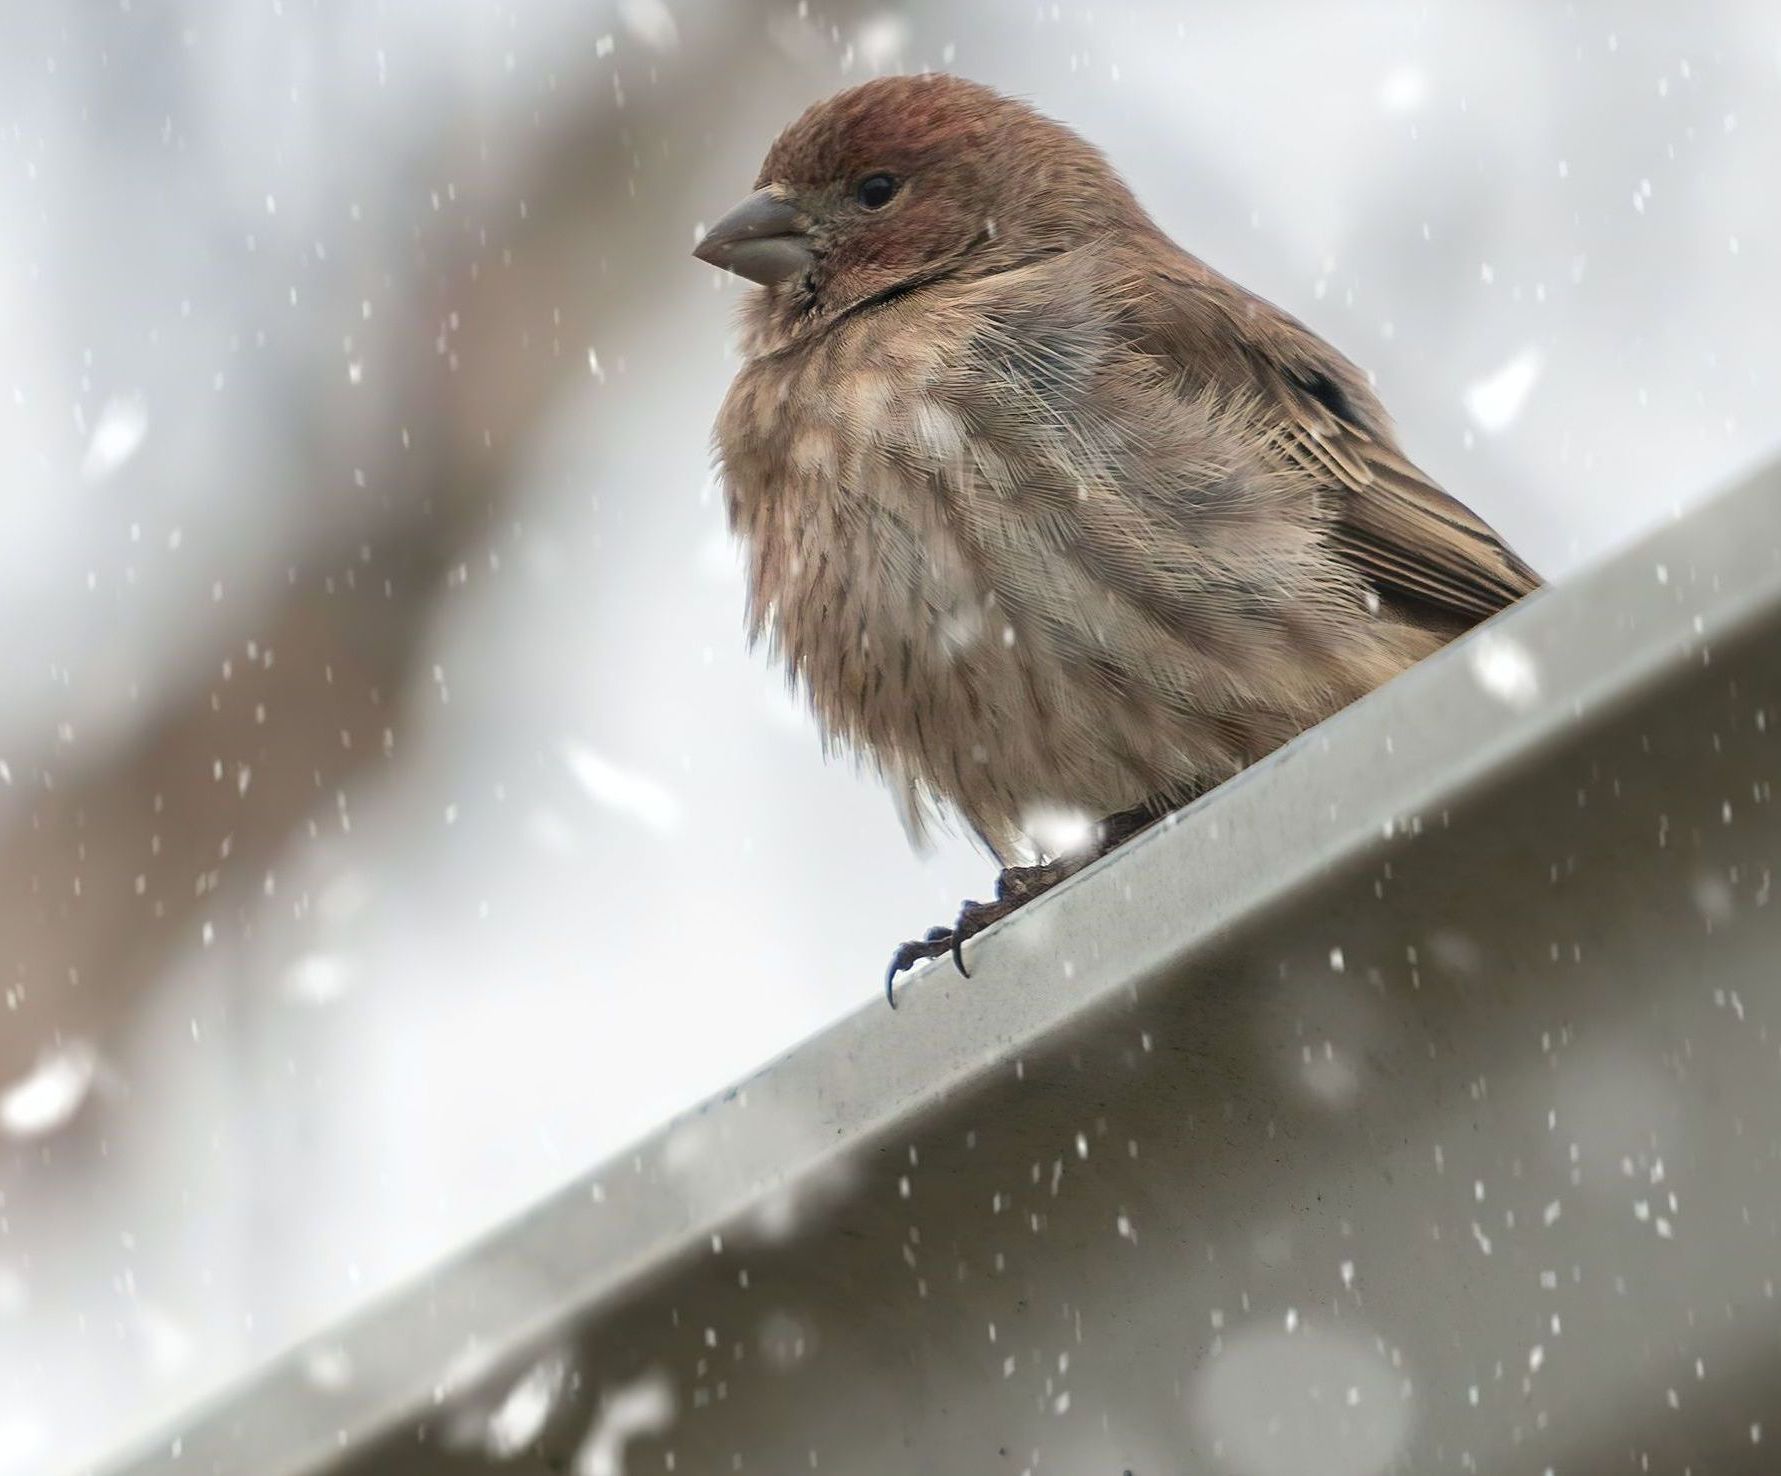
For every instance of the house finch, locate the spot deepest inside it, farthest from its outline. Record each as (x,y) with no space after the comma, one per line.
(1041,511)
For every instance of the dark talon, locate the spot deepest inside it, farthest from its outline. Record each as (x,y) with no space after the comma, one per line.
(974,917)
(1016,886)
(931,945)
(960,931)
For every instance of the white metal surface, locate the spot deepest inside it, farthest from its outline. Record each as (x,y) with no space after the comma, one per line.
(1413,1103)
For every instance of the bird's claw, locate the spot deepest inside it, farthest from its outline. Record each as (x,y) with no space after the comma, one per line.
(1015,886)
(973,918)
(958,935)
(934,943)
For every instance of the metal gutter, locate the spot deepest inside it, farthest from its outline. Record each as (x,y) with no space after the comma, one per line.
(1413,1102)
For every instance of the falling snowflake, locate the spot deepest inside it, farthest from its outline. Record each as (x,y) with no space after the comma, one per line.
(318,978)
(328,1366)
(51,1093)
(882,41)
(166,1344)
(1504,669)
(1403,90)
(651,22)
(643,1407)
(117,436)
(1494,401)
(520,1417)
(1059,832)
(629,794)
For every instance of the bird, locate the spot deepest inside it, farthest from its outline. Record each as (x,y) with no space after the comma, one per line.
(1043,514)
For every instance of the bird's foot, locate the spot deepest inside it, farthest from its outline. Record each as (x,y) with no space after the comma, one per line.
(931,945)
(1015,886)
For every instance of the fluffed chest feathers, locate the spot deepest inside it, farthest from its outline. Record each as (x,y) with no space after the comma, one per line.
(842,478)
(1012,609)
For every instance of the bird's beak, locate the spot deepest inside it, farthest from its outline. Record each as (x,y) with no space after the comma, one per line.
(763,239)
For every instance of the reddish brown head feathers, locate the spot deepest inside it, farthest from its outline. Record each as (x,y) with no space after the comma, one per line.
(890,183)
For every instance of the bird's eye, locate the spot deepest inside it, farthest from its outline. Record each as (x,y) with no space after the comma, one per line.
(875,191)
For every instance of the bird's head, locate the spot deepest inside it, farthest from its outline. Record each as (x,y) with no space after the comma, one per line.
(907,179)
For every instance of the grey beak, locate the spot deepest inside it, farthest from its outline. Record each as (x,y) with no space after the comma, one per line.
(762,239)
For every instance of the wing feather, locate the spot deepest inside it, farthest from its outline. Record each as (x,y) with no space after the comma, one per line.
(1413,541)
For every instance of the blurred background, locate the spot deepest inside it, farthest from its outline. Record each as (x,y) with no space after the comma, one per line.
(392,821)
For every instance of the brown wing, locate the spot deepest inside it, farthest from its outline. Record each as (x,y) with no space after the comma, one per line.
(1412,540)
(1405,533)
